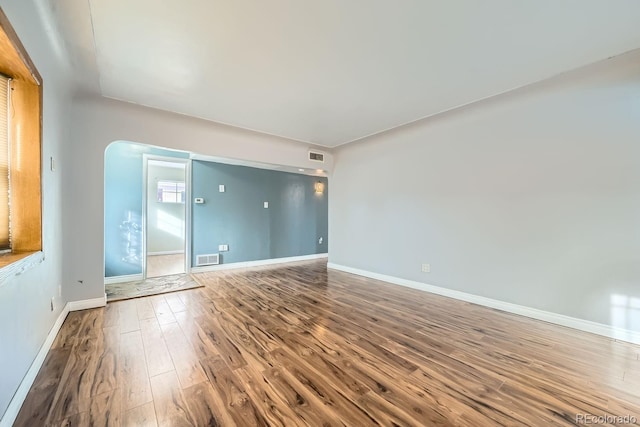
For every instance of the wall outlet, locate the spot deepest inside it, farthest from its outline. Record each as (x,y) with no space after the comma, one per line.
(223,248)
(266,205)
(320,240)
(52,300)
(221,188)
(426,268)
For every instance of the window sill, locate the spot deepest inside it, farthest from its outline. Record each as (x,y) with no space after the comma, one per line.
(14,264)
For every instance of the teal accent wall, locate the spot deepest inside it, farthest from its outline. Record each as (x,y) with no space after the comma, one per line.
(296,218)
(291,226)
(123,205)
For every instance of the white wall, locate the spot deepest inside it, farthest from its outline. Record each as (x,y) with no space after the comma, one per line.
(98,122)
(531,198)
(25,315)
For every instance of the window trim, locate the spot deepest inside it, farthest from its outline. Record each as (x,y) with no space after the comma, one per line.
(179,200)
(26,188)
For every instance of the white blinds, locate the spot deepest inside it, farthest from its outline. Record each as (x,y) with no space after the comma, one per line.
(4,163)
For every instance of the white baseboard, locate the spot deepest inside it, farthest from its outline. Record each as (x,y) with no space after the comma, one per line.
(123,279)
(88,303)
(18,398)
(165,253)
(261,262)
(534,313)
(13,409)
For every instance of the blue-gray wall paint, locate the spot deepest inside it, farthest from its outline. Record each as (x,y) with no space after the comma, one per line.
(296,218)
(123,204)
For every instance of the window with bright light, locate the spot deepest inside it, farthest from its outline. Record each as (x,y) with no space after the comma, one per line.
(171,192)
(5,243)
(20,152)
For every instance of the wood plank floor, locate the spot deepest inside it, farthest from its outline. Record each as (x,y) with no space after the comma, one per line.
(297,345)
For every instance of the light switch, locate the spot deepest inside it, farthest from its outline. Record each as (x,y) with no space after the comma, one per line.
(221,188)
(266,205)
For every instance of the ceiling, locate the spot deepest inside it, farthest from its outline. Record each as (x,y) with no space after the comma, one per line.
(333,71)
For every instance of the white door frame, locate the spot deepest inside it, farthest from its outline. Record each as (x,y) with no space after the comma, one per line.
(187,212)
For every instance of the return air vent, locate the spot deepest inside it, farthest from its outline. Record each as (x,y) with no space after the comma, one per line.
(316,157)
(209,259)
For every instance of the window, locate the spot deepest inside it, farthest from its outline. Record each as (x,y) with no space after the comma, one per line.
(20,151)
(5,244)
(171,192)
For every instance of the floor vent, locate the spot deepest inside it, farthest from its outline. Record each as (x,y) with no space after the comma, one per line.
(209,259)
(316,157)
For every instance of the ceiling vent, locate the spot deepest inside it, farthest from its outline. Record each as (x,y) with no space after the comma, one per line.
(316,157)
(209,259)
